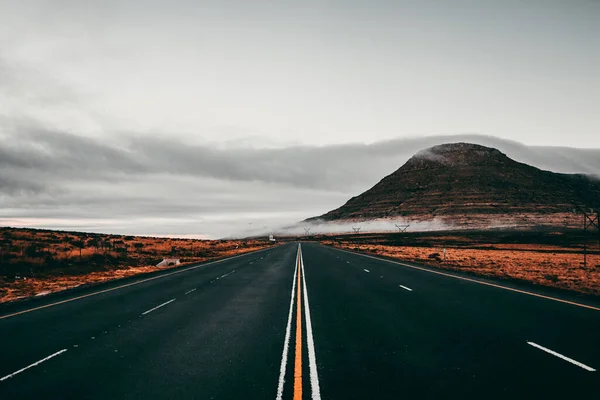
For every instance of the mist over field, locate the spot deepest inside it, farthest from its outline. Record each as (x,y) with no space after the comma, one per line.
(322,227)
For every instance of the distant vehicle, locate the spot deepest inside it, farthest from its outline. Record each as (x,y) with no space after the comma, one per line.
(271,238)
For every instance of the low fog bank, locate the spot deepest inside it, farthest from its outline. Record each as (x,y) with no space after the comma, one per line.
(371,226)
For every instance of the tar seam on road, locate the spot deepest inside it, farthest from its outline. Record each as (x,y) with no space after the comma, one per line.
(157,307)
(475,281)
(312,359)
(406,288)
(298,359)
(581,365)
(286,341)
(33,365)
(129,284)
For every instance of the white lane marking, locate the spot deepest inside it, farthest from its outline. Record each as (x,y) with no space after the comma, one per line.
(366,270)
(473,280)
(190,291)
(406,288)
(129,284)
(286,340)
(223,276)
(581,365)
(312,360)
(157,307)
(33,365)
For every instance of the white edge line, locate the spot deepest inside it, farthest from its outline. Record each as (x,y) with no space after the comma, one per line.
(470,280)
(190,291)
(33,365)
(157,307)
(131,284)
(286,341)
(314,376)
(407,288)
(581,365)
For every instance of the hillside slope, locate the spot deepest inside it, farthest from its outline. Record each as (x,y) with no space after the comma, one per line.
(462,179)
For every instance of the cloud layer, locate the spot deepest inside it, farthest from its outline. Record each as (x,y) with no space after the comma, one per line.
(153,185)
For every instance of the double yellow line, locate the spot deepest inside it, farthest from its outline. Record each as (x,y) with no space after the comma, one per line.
(300,294)
(298,359)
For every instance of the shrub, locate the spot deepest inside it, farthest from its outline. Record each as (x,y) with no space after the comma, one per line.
(50,261)
(33,251)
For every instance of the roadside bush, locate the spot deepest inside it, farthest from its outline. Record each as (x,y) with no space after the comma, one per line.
(50,261)
(33,251)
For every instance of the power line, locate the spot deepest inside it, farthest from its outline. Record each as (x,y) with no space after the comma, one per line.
(402,228)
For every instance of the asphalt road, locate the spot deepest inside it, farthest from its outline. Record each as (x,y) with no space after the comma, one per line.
(320,323)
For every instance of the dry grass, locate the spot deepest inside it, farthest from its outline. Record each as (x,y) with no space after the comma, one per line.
(37,262)
(544,265)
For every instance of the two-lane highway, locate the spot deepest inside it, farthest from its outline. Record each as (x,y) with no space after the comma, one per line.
(301,322)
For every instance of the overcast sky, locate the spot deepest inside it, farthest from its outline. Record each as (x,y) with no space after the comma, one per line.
(198,118)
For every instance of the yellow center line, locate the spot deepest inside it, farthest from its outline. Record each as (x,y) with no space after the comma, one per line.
(298,363)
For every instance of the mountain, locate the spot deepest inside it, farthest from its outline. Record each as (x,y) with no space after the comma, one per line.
(462,179)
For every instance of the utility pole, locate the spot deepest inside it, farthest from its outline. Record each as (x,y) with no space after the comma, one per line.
(591,220)
(356,230)
(307,231)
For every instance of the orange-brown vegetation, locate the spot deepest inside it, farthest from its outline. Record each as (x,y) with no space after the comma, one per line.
(38,262)
(553,265)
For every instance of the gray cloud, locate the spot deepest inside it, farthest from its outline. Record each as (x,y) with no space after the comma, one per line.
(336,167)
(11,186)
